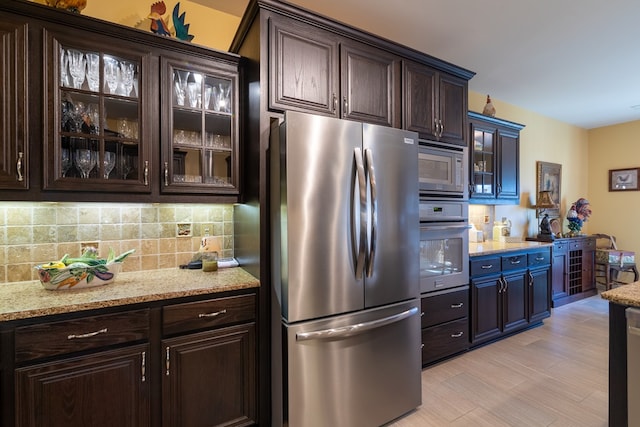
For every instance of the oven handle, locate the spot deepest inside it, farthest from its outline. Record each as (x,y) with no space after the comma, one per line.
(374,210)
(362,212)
(445,227)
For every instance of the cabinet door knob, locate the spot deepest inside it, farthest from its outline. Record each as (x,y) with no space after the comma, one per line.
(345,105)
(335,102)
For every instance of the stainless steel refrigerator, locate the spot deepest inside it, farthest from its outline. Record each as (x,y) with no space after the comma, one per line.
(345,251)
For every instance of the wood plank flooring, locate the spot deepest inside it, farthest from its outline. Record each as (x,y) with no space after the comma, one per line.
(554,375)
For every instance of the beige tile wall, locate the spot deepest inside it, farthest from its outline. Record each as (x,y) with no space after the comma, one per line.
(36,233)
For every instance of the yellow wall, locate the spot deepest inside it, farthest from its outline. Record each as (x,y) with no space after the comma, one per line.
(548,140)
(211,28)
(616,213)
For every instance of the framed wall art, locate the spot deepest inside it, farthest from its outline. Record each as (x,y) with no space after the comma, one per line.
(623,179)
(549,178)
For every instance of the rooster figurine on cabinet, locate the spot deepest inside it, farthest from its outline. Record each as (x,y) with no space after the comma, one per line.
(159,24)
(489,109)
(74,6)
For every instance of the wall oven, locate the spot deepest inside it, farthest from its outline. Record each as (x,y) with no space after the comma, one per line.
(444,244)
(442,170)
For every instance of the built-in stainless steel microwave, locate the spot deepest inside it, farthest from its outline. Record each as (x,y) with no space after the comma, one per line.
(442,170)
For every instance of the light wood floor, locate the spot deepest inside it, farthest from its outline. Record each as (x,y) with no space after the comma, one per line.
(553,375)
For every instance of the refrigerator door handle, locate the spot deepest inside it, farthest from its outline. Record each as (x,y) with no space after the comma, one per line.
(362,212)
(374,210)
(347,331)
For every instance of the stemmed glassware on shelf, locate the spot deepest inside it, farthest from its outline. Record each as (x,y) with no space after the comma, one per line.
(93,71)
(108,163)
(77,67)
(111,73)
(64,67)
(66,161)
(85,159)
(127,71)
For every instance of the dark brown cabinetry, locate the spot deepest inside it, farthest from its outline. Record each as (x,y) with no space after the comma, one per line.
(494,150)
(509,292)
(209,377)
(14,133)
(445,324)
(173,364)
(102,115)
(573,270)
(103,388)
(314,70)
(435,104)
(201,130)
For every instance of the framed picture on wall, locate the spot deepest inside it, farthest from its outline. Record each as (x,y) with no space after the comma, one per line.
(623,179)
(549,178)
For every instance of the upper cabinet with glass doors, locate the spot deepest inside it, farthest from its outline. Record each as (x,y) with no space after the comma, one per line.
(98,116)
(200,127)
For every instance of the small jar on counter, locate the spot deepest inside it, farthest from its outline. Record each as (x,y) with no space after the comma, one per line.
(210,261)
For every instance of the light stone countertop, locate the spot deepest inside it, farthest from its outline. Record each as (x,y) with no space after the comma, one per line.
(22,300)
(624,294)
(490,247)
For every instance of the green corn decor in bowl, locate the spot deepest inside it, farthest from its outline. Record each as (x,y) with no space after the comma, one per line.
(87,271)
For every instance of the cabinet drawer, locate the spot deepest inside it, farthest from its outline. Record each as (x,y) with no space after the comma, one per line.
(485,266)
(560,247)
(190,316)
(445,307)
(68,336)
(444,340)
(539,258)
(514,262)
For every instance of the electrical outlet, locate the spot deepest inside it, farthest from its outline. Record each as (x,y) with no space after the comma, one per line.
(85,245)
(486,219)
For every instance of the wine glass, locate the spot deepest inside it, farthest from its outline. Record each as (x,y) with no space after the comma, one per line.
(79,112)
(64,67)
(126,73)
(108,163)
(207,96)
(111,73)
(77,65)
(93,71)
(66,161)
(85,160)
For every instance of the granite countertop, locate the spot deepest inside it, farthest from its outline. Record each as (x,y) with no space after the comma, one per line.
(624,295)
(22,300)
(490,247)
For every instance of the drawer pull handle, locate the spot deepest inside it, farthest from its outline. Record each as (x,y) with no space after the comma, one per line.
(458,335)
(87,335)
(217,313)
(486,267)
(539,258)
(515,261)
(459,305)
(422,314)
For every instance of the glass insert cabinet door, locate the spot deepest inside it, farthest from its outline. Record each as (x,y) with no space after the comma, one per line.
(98,117)
(202,127)
(483,155)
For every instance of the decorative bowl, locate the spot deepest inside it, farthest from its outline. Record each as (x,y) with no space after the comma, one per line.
(76,276)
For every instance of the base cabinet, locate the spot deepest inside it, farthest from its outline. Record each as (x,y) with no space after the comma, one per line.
(209,378)
(509,292)
(178,363)
(573,270)
(105,389)
(445,324)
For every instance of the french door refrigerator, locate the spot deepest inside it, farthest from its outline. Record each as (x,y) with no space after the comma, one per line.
(345,272)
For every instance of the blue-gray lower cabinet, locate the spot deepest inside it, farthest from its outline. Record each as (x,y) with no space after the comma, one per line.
(510,291)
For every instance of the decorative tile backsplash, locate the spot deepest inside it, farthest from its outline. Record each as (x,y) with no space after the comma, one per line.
(36,233)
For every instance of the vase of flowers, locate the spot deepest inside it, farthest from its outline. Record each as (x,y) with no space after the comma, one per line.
(577,215)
